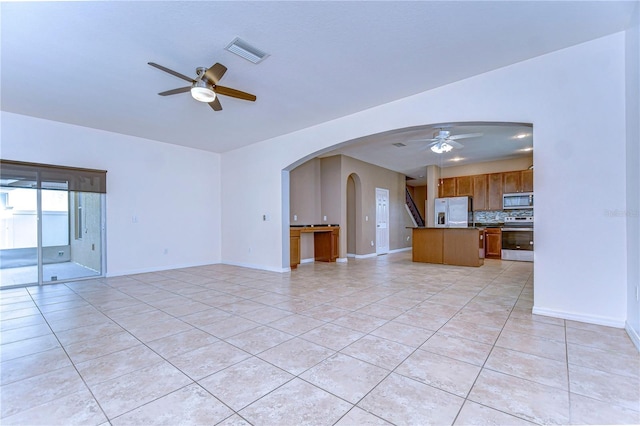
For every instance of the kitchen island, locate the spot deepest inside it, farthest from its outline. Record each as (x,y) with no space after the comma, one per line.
(449,246)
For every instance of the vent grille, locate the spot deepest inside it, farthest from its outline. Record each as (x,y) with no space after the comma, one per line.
(246,51)
(399,144)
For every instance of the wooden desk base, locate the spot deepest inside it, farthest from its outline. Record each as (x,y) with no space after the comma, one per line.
(326,240)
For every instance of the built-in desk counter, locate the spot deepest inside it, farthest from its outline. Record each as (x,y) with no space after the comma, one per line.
(450,246)
(326,240)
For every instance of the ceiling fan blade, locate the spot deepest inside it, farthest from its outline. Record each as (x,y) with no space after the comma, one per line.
(227,91)
(468,135)
(215,73)
(175,91)
(454,144)
(423,140)
(215,104)
(172,72)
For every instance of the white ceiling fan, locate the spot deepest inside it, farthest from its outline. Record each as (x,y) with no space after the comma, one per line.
(442,141)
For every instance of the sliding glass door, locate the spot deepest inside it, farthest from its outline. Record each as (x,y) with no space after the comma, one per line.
(51,229)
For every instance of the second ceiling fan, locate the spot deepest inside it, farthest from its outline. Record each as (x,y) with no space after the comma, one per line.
(442,141)
(204,87)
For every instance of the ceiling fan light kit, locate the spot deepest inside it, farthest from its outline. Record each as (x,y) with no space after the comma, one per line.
(200,91)
(204,88)
(441,147)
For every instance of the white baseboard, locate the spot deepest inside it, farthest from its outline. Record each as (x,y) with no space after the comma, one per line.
(365,256)
(341,260)
(400,250)
(109,274)
(590,319)
(633,335)
(259,267)
(308,260)
(350,255)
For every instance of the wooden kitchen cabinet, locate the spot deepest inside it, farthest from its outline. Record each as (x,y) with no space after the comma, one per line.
(480,192)
(527,180)
(494,191)
(511,182)
(493,243)
(447,187)
(520,181)
(464,186)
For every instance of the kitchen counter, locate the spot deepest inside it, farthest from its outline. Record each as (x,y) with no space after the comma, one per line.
(449,246)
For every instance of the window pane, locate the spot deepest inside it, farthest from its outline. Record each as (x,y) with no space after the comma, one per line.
(74,235)
(18,236)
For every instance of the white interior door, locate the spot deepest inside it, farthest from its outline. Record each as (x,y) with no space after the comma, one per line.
(382,221)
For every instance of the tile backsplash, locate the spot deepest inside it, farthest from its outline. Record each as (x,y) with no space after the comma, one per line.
(497,216)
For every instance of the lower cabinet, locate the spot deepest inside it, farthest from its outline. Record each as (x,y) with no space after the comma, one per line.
(493,243)
(450,246)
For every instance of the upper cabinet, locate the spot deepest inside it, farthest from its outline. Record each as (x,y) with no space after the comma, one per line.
(494,191)
(447,187)
(464,186)
(527,180)
(480,192)
(487,189)
(520,181)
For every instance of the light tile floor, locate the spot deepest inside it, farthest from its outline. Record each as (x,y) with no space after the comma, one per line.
(375,341)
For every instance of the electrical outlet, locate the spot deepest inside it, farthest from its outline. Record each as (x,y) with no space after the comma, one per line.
(60,253)
(295,217)
(324,218)
(371,243)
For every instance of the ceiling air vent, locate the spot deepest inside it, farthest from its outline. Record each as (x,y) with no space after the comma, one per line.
(245,50)
(399,144)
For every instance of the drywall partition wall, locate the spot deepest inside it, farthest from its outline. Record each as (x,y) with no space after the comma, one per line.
(632,211)
(562,94)
(372,177)
(159,196)
(331,192)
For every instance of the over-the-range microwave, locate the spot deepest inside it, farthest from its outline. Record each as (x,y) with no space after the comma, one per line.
(518,200)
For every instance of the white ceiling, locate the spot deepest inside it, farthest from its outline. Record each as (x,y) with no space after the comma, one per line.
(85,63)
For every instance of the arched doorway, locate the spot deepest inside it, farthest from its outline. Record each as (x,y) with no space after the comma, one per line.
(354,205)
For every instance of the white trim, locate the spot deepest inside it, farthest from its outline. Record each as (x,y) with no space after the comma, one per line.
(400,250)
(158,269)
(633,335)
(350,255)
(259,267)
(341,260)
(590,319)
(413,219)
(308,260)
(365,256)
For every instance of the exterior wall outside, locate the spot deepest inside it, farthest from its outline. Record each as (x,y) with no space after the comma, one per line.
(173,192)
(85,251)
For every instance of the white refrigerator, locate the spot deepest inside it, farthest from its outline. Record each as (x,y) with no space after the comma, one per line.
(453,212)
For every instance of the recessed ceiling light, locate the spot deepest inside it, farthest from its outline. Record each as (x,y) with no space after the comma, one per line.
(457,159)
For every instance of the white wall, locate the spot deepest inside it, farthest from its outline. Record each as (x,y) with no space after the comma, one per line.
(573,97)
(173,191)
(633,177)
